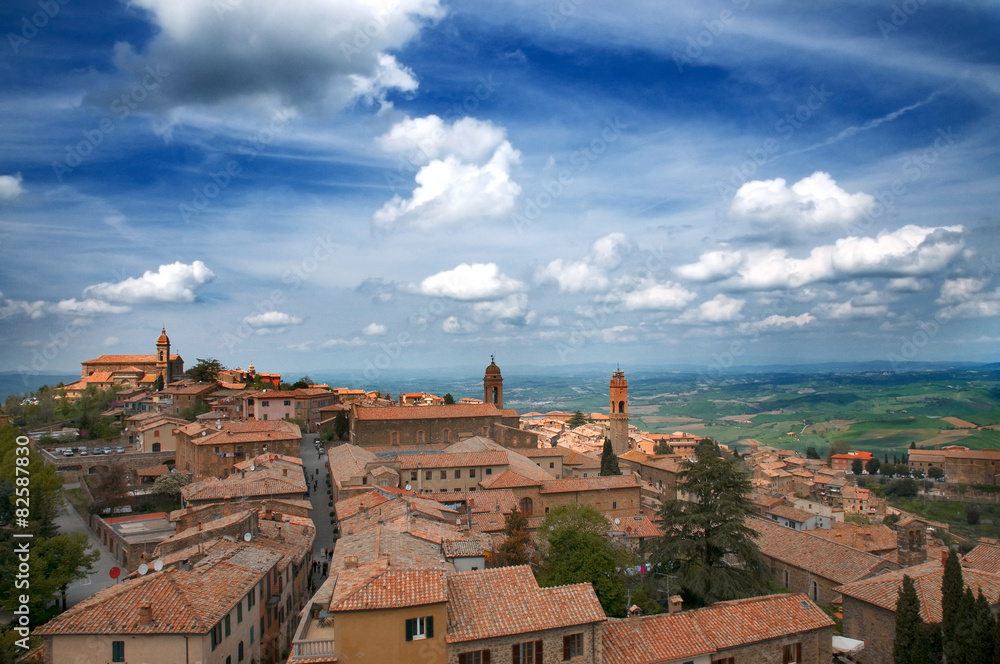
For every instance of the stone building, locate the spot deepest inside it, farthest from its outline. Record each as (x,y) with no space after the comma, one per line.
(961,465)
(214,451)
(130,370)
(618,393)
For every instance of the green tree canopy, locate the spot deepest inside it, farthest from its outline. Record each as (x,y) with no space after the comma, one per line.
(516,549)
(56,562)
(158,383)
(609,460)
(839,446)
(811,453)
(45,485)
(578,419)
(205,370)
(952,588)
(707,545)
(872,465)
(857,467)
(935,473)
(341,425)
(576,553)
(448,399)
(908,647)
(170,484)
(662,447)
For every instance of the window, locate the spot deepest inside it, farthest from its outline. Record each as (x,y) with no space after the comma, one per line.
(815,590)
(420,438)
(446,435)
(251,636)
(156,433)
(229,659)
(572,646)
(724,660)
(117,651)
(413,475)
(792,653)
(474,657)
(394,438)
(427,475)
(614,505)
(227,625)
(786,578)
(251,598)
(287,402)
(444,474)
(239,652)
(472,472)
(239,613)
(458,474)
(526,653)
(525,506)
(489,471)
(420,628)
(156,447)
(216,636)
(265,404)
(552,464)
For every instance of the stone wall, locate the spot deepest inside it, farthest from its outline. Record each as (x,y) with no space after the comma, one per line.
(799,580)
(816,647)
(873,625)
(514,437)
(552,645)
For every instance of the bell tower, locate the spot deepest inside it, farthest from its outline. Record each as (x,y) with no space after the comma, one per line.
(163,357)
(619,412)
(493,385)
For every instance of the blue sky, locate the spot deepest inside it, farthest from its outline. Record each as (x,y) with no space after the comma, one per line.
(368,186)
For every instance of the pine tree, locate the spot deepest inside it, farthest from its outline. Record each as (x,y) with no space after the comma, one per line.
(981,647)
(951,598)
(609,460)
(907,648)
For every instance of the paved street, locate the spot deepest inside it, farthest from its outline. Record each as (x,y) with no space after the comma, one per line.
(71,522)
(317,471)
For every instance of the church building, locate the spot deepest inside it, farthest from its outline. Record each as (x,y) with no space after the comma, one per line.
(131,370)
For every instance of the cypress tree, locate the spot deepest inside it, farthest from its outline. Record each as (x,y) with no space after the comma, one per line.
(981,644)
(609,461)
(952,588)
(907,647)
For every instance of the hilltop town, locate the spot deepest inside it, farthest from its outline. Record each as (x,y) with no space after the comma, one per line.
(257,521)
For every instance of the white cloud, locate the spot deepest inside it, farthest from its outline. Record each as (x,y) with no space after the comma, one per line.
(331,343)
(905,285)
(272,322)
(909,251)
(478,281)
(12,308)
(720,309)
(778,322)
(654,295)
(465,173)
(300,52)
(88,307)
(815,202)
(110,341)
(176,282)
(374,329)
(589,274)
(10,186)
(960,290)
(851,309)
(452,325)
(512,309)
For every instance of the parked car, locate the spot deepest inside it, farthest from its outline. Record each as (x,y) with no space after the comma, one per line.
(107,450)
(83,451)
(120,449)
(96,450)
(67,453)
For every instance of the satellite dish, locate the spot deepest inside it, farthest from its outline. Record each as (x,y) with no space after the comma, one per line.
(157,565)
(247,537)
(253,467)
(617,521)
(407,487)
(143,569)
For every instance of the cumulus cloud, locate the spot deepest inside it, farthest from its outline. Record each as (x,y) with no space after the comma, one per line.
(657,296)
(374,329)
(88,307)
(778,322)
(176,282)
(909,251)
(465,172)
(815,202)
(511,309)
(452,325)
(353,341)
(15,308)
(300,52)
(720,309)
(959,290)
(905,285)
(10,186)
(476,281)
(979,305)
(590,273)
(851,309)
(272,319)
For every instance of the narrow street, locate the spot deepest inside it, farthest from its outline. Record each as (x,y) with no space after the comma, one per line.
(71,522)
(317,472)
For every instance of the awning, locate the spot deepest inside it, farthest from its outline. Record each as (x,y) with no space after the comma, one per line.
(842,644)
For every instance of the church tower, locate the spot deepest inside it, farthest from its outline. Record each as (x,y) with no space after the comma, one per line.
(163,357)
(619,412)
(493,385)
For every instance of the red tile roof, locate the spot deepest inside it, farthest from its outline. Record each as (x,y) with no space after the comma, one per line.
(378,586)
(249,431)
(491,603)
(653,639)
(985,557)
(743,621)
(866,538)
(508,479)
(376,413)
(590,484)
(127,359)
(456,460)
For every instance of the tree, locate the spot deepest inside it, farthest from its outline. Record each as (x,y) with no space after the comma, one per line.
(609,460)
(56,562)
(158,383)
(904,488)
(46,486)
(448,399)
(811,453)
(516,548)
(857,466)
(890,520)
(300,385)
(908,646)
(170,484)
(952,588)
(707,545)
(972,516)
(577,420)
(111,485)
(913,445)
(872,466)
(205,370)
(340,425)
(662,447)
(887,470)
(577,550)
(935,473)
(194,410)
(839,446)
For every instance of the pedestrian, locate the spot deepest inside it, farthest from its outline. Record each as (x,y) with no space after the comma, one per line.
(324,569)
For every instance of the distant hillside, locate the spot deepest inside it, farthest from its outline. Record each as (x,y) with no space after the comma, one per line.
(12,382)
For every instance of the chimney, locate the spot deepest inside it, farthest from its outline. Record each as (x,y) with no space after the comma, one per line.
(146,614)
(268,514)
(350,562)
(284,472)
(944,557)
(676,604)
(199,525)
(278,536)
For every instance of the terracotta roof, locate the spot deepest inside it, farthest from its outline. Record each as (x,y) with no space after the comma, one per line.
(153,471)
(871,538)
(985,557)
(790,513)
(453,460)
(461,548)
(351,506)
(883,590)
(127,359)
(347,461)
(376,413)
(637,526)
(829,560)
(491,603)
(743,621)
(508,479)
(366,589)
(489,500)
(590,484)
(269,459)
(249,431)
(533,452)
(653,639)
(154,422)
(261,482)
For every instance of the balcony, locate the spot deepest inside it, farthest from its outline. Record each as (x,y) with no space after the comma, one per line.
(314,636)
